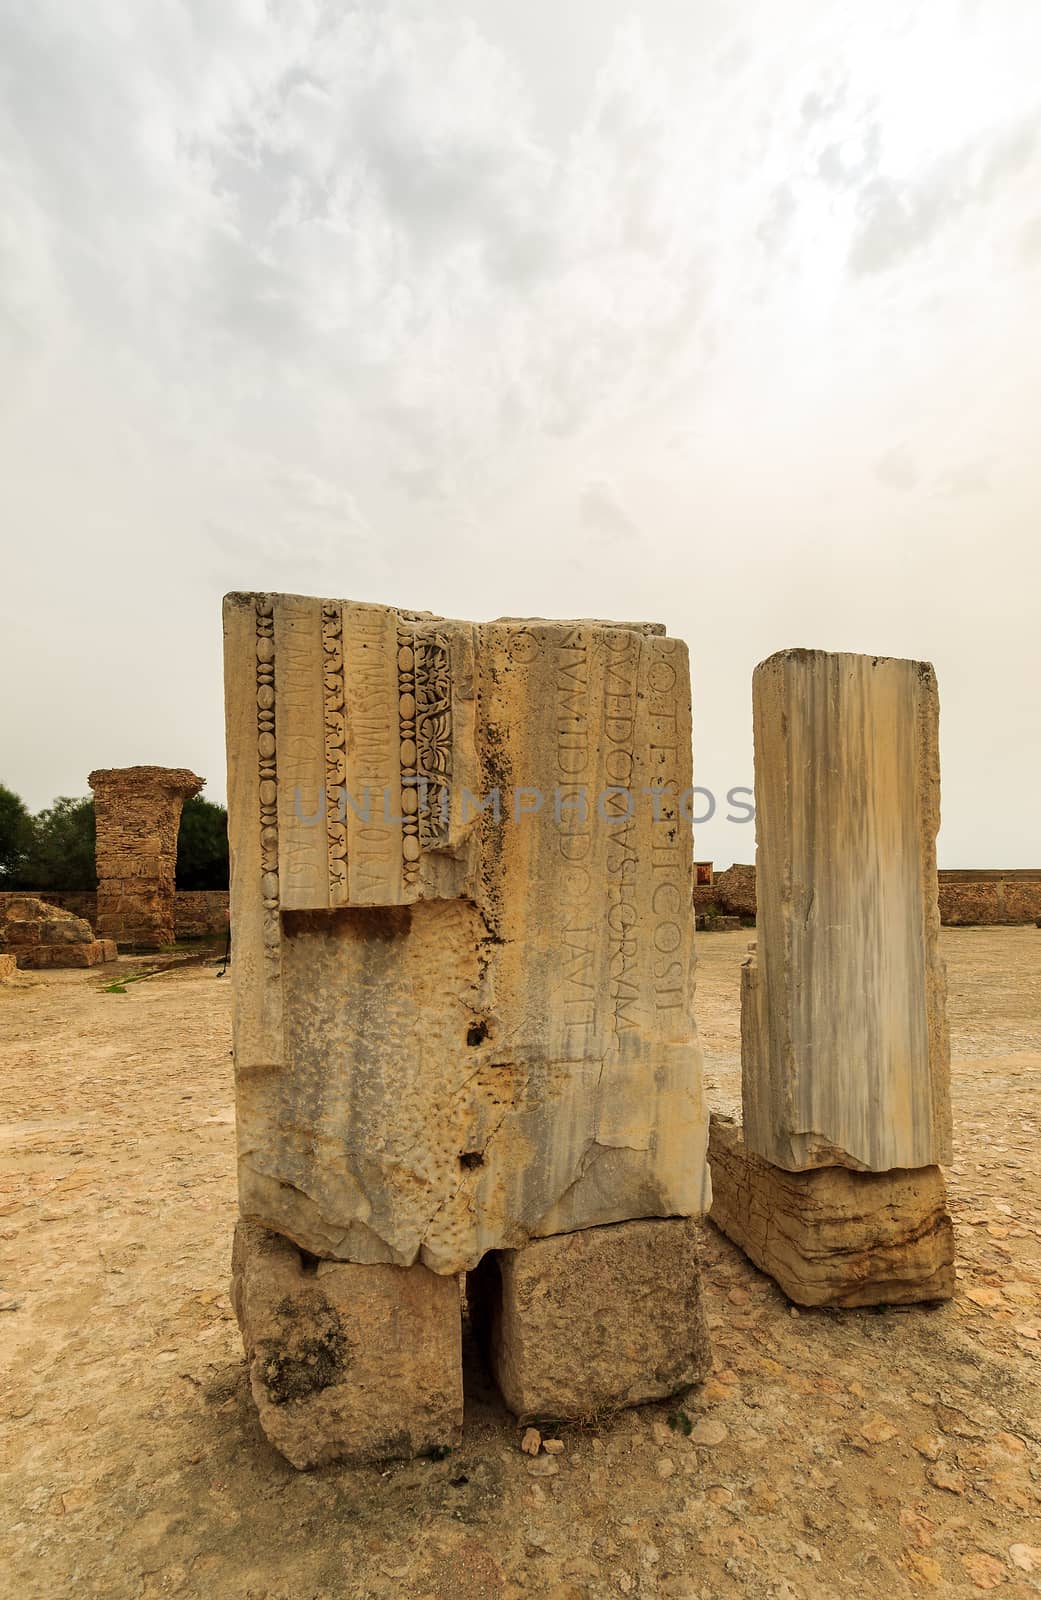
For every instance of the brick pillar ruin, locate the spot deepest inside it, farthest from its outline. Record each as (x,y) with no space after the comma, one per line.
(138,812)
(834,1184)
(463,1013)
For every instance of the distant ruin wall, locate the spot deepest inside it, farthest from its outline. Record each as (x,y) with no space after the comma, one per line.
(201,913)
(198,913)
(979,898)
(138,812)
(731,893)
(966,898)
(990,897)
(81,902)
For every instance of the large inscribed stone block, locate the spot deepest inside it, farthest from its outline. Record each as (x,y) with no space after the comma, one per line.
(347,1362)
(589,1322)
(462,931)
(845,1056)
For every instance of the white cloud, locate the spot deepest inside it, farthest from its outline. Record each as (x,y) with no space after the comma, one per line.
(487,311)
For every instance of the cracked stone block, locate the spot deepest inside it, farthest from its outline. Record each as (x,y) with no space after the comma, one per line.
(587,1322)
(461,921)
(347,1362)
(844,1045)
(832,1236)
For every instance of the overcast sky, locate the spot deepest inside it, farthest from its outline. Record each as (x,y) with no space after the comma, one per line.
(724,315)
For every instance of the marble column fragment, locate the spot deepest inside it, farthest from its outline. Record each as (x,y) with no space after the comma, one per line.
(844,1042)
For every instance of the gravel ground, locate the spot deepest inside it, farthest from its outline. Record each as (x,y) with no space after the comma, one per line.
(866,1453)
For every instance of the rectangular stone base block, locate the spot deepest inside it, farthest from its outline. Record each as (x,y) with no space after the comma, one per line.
(583,1323)
(347,1362)
(38,957)
(832,1236)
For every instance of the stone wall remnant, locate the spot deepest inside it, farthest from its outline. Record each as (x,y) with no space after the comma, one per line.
(460,901)
(198,913)
(37,935)
(990,897)
(138,812)
(844,1044)
(968,897)
(733,891)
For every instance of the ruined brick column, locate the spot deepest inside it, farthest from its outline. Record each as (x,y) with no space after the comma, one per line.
(138,812)
(834,1185)
(461,866)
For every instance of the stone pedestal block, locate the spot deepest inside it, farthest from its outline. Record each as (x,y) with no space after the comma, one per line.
(584,1323)
(94,954)
(832,1236)
(138,812)
(347,1362)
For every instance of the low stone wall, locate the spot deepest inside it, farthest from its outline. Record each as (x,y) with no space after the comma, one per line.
(201,913)
(731,893)
(985,897)
(989,897)
(198,913)
(81,902)
(39,934)
(967,898)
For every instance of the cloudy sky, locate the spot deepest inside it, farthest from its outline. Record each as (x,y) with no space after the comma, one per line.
(720,314)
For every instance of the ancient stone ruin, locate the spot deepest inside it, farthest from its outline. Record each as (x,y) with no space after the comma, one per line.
(464,1037)
(833,1186)
(36,935)
(968,897)
(138,812)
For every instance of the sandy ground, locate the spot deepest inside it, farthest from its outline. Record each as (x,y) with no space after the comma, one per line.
(868,1453)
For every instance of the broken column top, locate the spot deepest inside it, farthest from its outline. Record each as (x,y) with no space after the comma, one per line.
(178,779)
(461,910)
(845,1056)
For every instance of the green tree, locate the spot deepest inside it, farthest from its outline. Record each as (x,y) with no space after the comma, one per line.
(202,846)
(61,850)
(16,831)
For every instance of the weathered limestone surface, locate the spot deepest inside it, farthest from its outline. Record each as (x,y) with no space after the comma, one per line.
(37,935)
(845,1055)
(347,1362)
(456,1029)
(587,1322)
(831,1236)
(138,811)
